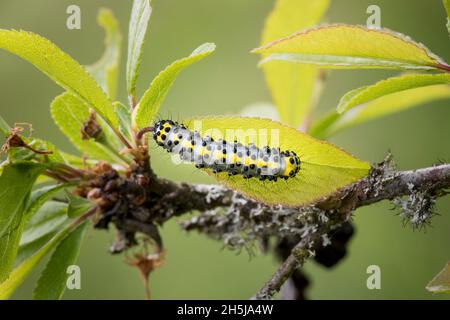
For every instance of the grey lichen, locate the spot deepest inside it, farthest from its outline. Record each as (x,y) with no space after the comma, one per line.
(418,208)
(381,174)
(245,222)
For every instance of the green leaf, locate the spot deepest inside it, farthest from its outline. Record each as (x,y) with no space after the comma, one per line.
(31,248)
(3,165)
(324,168)
(70,113)
(9,243)
(47,219)
(447,9)
(294,87)
(60,67)
(52,283)
(41,195)
(124,114)
(40,144)
(19,273)
(4,127)
(320,128)
(16,182)
(106,70)
(347,46)
(378,108)
(441,282)
(110,136)
(260,110)
(40,218)
(152,99)
(140,15)
(77,161)
(392,85)
(77,205)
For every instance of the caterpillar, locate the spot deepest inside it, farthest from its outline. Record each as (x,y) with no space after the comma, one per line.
(234,158)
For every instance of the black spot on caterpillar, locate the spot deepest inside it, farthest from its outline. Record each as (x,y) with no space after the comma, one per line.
(221,156)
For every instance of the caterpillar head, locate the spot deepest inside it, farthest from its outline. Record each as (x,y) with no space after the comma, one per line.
(161,130)
(292,164)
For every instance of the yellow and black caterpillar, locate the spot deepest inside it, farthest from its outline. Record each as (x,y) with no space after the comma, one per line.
(221,156)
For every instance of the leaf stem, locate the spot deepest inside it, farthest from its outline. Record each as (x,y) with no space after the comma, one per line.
(141,133)
(133,101)
(148,294)
(71,170)
(43,152)
(84,217)
(111,148)
(55,176)
(444,67)
(122,138)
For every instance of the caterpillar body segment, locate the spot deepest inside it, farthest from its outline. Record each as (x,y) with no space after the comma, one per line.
(234,158)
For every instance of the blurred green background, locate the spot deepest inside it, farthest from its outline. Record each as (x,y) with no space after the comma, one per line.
(197,267)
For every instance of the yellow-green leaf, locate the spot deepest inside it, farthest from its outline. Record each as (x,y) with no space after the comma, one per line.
(106,70)
(321,128)
(3,165)
(124,114)
(4,127)
(140,15)
(324,167)
(294,87)
(447,9)
(70,113)
(348,46)
(388,86)
(152,99)
(441,282)
(260,110)
(60,67)
(447,6)
(378,108)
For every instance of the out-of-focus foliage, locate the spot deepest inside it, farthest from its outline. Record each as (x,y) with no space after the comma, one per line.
(294,88)
(347,46)
(152,99)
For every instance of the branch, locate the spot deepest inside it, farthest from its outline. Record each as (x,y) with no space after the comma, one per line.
(384,183)
(226,215)
(429,180)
